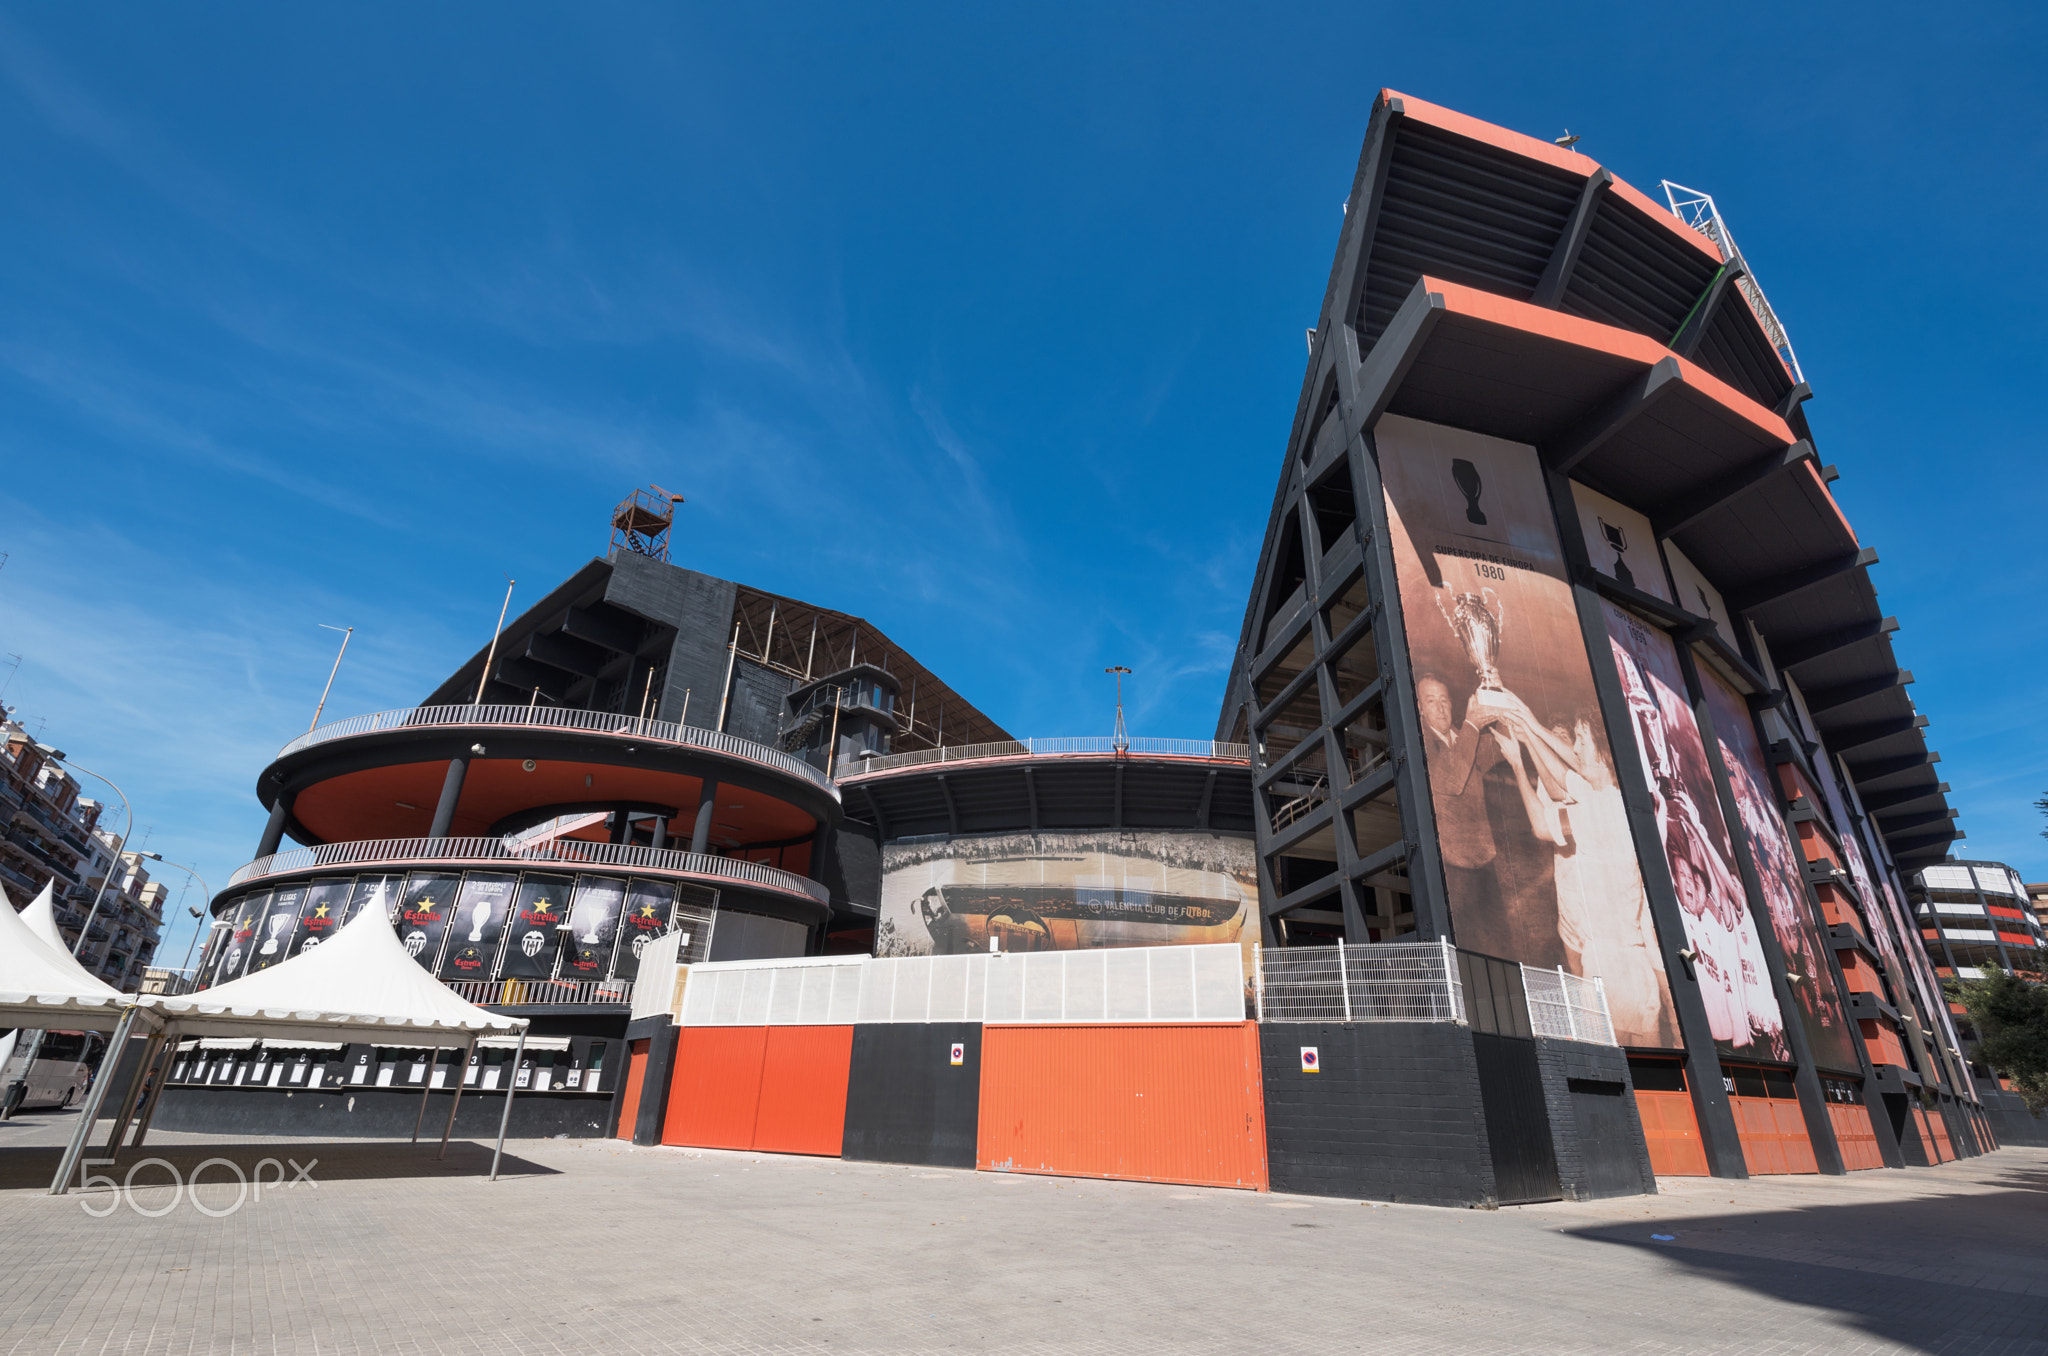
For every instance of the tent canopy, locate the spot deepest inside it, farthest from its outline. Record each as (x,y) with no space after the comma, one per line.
(41,986)
(359,985)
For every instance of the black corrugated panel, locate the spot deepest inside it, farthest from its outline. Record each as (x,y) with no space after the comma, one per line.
(1082,797)
(910,807)
(991,799)
(1161,797)
(1464,212)
(1736,350)
(1632,274)
(906,1101)
(1230,808)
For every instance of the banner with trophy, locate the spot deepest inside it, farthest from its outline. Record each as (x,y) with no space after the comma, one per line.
(1539,862)
(593,925)
(481,911)
(273,937)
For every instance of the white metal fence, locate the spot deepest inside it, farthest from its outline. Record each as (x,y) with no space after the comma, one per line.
(655,992)
(1388,982)
(1121,985)
(1567,1007)
(562,718)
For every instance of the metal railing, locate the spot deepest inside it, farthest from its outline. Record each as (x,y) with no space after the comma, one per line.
(1567,1007)
(1077,746)
(556,851)
(522,993)
(563,718)
(1387,982)
(1122,985)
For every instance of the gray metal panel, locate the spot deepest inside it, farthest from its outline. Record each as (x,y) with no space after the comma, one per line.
(756,707)
(699,606)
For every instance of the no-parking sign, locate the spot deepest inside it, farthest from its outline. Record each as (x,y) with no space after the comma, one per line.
(1310,1063)
(959,1054)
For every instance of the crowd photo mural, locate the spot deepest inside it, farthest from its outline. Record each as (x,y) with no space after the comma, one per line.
(1829,1036)
(1728,952)
(1539,863)
(1065,892)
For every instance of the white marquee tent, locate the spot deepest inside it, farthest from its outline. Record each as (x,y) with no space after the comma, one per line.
(360,985)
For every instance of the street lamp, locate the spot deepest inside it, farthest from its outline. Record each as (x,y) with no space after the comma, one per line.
(57,755)
(204,889)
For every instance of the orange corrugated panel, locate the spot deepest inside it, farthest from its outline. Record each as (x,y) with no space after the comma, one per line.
(716,1089)
(1936,1130)
(803,1090)
(1773,1136)
(1146,1103)
(1673,1134)
(636,1076)
(1882,1043)
(1855,1136)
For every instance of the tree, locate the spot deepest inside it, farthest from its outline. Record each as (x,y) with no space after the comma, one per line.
(2011,1018)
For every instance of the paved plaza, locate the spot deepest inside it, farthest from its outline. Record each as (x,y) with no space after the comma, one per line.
(596,1246)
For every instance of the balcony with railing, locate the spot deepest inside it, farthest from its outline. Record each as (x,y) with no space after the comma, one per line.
(663,733)
(1083,746)
(560,853)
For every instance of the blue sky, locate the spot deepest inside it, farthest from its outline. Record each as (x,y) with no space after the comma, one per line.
(987,326)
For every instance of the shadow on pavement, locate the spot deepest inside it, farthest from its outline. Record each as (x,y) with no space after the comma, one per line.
(1940,1273)
(30,1168)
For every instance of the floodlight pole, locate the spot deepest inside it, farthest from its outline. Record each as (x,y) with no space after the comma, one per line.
(1120,741)
(347,634)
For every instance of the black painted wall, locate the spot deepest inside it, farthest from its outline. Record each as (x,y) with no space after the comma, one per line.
(1595,1128)
(906,1102)
(1392,1114)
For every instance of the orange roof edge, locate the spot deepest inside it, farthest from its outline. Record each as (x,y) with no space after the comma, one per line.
(1822,486)
(1535,148)
(1582,333)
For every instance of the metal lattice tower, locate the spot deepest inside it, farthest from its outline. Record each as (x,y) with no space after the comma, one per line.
(642,521)
(1697,210)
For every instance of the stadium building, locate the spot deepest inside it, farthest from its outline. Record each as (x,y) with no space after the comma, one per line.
(1554,836)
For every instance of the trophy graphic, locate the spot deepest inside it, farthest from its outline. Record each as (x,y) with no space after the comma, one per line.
(276,924)
(1476,620)
(479,914)
(1618,539)
(1466,476)
(415,942)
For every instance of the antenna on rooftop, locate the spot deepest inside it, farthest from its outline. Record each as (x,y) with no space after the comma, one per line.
(641,522)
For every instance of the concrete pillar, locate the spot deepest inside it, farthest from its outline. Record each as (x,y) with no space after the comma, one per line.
(700,836)
(660,832)
(273,832)
(451,792)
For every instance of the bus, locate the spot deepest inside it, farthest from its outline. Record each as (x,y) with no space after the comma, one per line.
(54,1072)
